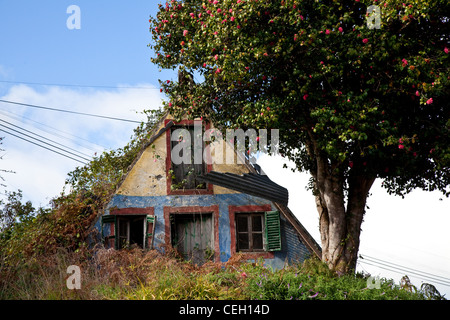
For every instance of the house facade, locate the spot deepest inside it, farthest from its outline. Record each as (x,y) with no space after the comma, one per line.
(207,210)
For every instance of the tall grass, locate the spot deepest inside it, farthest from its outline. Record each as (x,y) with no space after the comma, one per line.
(138,274)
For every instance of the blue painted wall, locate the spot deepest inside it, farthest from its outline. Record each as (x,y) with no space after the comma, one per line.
(293,250)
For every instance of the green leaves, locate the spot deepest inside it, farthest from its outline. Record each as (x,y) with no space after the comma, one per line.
(13,211)
(322,72)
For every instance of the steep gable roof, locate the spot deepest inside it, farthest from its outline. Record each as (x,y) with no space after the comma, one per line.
(154,134)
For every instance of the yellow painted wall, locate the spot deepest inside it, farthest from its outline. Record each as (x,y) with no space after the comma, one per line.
(223,166)
(148,175)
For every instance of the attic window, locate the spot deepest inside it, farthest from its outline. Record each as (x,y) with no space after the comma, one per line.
(185,167)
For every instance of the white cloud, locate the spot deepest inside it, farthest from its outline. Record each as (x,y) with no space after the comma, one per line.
(41,173)
(121,103)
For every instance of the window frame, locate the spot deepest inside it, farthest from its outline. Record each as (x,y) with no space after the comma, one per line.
(207,166)
(232,211)
(250,231)
(112,221)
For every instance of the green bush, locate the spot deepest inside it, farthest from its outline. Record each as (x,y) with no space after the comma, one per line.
(313,280)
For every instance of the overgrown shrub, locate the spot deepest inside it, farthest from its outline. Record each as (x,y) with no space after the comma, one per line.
(26,232)
(142,274)
(313,280)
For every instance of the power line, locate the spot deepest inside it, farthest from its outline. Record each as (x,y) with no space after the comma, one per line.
(402,273)
(64,155)
(20,118)
(68,111)
(49,144)
(409,270)
(46,143)
(77,85)
(403,267)
(402,270)
(44,138)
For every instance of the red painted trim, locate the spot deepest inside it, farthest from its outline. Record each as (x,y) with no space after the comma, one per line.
(193,209)
(209,187)
(232,210)
(148,211)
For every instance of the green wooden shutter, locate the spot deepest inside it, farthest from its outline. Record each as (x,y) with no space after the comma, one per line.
(149,233)
(273,231)
(110,219)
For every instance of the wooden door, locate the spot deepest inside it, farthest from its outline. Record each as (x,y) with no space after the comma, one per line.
(193,236)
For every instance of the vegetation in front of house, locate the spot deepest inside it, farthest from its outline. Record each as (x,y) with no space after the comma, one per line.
(136,274)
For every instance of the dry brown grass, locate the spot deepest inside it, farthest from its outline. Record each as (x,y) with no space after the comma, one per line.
(119,274)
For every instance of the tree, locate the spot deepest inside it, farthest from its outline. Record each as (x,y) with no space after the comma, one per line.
(14,211)
(352,103)
(3,170)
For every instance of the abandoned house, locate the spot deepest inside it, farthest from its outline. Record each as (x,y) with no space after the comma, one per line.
(205,210)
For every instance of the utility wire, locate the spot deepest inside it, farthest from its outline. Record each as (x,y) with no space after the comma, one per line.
(20,118)
(68,111)
(402,270)
(76,85)
(403,273)
(45,138)
(403,267)
(64,155)
(53,146)
(398,270)
(409,270)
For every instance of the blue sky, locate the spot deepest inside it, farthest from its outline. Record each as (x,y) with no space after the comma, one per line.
(109,49)
(109,57)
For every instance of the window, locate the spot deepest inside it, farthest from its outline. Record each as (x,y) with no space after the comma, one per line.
(128,230)
(131,231)
(255,231)
(249,232)
(185,166)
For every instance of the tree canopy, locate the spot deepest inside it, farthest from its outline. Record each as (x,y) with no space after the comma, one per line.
(353,103)
(373,100)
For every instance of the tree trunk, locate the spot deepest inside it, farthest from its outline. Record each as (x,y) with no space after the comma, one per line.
(340,224)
